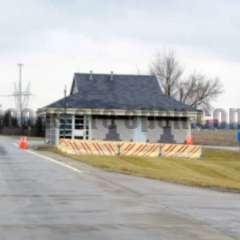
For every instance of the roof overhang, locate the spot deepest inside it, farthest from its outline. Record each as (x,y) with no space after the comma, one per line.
(118,112)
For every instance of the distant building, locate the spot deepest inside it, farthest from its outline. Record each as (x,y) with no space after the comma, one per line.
(117,108)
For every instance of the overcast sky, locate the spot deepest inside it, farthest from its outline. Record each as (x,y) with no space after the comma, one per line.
(55,38)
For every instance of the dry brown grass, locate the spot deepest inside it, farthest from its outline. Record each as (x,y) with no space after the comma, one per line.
(217,169)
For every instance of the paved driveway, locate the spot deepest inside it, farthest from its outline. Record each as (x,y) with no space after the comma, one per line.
(40,199)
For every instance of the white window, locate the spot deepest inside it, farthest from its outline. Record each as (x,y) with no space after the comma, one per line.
(81,127)
(74,127)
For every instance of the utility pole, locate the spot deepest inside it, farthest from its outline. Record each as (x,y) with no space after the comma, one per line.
(65,111)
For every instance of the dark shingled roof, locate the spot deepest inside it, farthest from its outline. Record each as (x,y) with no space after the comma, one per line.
(126,92)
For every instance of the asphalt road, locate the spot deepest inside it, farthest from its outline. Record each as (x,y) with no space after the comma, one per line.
(40,199)
(224,148)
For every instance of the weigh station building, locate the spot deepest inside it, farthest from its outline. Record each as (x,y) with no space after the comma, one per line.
(118,107)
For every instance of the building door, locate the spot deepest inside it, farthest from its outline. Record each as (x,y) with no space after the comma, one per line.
(65,128)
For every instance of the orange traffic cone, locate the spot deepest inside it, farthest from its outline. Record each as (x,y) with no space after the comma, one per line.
(23,143)
(20,143)
(189,141)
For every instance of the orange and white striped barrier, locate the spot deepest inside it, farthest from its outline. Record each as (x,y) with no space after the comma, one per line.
(80,147)
(178,150)
(140,149)
(88,147)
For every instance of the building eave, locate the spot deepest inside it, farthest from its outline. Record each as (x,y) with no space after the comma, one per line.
(118,112)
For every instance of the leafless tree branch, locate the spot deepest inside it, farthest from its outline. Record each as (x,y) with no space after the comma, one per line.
(199,91)
(196,90)
(168,71)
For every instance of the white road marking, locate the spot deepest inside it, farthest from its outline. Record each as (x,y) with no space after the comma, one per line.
(53,160)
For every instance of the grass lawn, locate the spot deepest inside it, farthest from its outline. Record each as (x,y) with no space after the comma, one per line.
(217,169)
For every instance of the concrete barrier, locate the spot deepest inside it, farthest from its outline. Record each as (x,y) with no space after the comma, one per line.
(80,147)
(140,149)
(178,150)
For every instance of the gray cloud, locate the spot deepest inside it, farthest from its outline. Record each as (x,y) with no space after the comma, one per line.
(116,32)
(211,25)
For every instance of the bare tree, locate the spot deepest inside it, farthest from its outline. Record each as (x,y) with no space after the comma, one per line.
(196,90)
(199,91)
(168,71)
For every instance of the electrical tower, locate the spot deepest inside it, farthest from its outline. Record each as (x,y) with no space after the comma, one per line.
(21,96)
